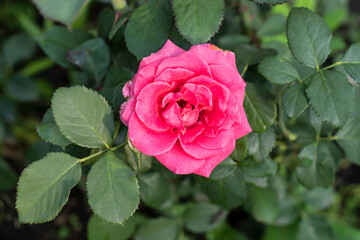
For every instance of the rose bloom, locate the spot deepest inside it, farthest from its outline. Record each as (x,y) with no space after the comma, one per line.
(186,107)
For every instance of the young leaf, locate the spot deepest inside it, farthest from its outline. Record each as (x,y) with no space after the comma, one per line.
(204,217)
(261,111)
(198,20)
(332,96)
(228,192)
(270,2)
(148,28)
(349,136)
(58,41)
(277,70)
(44,187)
(294,100)
(308,37)
(314,228)
(93,57)
(261,144)
(241,149)
(98,229)
(49,131)
(162,228)
(113,190)
(351,61)
(318,167)
(83,116)
(64,11)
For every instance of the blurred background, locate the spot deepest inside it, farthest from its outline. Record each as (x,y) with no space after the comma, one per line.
(28,78)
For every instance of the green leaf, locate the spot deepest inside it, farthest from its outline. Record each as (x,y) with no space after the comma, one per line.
(159,228)
(93,57)
(344,231)
(8,176)
(276,233)
(228,192)
(49,131)
(17,48)
(318,167)
(314,228)
(260,111)
(44,187)
(274,25)
(332,96)
(83,116)
(250,55)
(198,20)
(351,61)
(277,70)
(148,28)
(64,11)
(58,41)
(241,149)
(308,37)
(225,232)
(294,100)
(266,168)
(349,136)
(97,229)
(22,89)
(270,2)
(261,144)
(113,190)
(204,217)
(155,189)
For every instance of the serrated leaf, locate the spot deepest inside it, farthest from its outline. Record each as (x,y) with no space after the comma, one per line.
(49,131)
(92,56)
(266,168)
(277,70)
(351,61)
(314,228)
(332,96)
(260,144)
(250,55)
(83,116)
(148,28)
(241,149)
(294,100)
(270,2)
(115,76)
(308,37)
(98,229)
(58,41)
(228,192)
(162,228)
(198,20)
(155,189)
(113,190)
(64,11)
(349,136)
(44,187)
(260,111)
(318,166)
(204,217)
(8,176)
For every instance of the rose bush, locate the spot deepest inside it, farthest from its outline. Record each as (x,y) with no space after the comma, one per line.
(186,107)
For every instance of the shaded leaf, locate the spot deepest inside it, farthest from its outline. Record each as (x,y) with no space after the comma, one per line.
(261,144)
(8,176)
(241,149)
(270,2)
(314,228)
(158,228)
(351,61)
(277,70)
(22,89)
(294,100)
(266,168)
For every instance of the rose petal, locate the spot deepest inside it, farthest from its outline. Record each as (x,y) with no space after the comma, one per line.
(192,132)
(202,93)
(211,163)
(171,97)
(147,106)
(217,142)
(171,116)
(144,77)
(173,74)
(147,141)
(179,162)
(241,127)
(126,110)
(188,61)
(189,116)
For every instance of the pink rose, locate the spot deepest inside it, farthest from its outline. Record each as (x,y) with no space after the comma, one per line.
(186,107)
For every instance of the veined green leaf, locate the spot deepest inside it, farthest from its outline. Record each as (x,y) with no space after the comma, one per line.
(270,2)
(277,70)
(261,144)
(351,61)
(294,100)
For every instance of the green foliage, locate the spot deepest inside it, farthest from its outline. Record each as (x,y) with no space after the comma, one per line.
(112,188)
(194,21)
(44,187)
(7,176)
(260,144)
(294,100)
(159,228)
(87,111)
(277,70)
(153,20)
(314,228)
(271,2)
(351,61)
